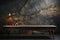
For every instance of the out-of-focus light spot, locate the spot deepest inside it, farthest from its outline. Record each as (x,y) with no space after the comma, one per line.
(13,13)
(10,20)
(9,14)
(16,18)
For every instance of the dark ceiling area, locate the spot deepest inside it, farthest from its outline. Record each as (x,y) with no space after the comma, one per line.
(2,2)
(10,5)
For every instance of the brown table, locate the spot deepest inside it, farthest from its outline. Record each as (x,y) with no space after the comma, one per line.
(49,28)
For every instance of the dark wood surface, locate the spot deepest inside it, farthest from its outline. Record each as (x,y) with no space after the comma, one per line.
(7,32)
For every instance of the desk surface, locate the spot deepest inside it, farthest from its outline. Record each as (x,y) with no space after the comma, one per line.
(29,26)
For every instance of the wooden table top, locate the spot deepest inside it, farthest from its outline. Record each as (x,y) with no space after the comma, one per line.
(29,26)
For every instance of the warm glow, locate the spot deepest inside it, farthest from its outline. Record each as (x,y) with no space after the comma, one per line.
(10,20)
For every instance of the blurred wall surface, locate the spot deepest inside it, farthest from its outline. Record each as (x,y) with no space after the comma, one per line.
(34,11)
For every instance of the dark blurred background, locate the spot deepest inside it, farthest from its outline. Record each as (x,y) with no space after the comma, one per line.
(26,8)
(31,9)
